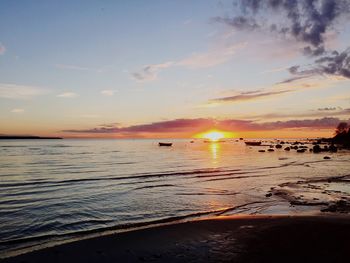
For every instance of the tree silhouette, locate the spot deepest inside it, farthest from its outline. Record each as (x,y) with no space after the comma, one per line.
(342,127)
(342,135)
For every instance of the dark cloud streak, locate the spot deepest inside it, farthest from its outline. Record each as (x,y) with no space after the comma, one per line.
(252,95)
(337,64)
(290,80)
(197,125)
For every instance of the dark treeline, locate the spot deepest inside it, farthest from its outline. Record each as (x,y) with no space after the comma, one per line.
(29,137)
(342,135)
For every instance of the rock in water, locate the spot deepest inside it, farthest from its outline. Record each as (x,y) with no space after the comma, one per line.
(316,149)
(333,148)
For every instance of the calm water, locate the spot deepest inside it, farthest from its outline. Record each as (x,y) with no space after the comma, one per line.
(51,189)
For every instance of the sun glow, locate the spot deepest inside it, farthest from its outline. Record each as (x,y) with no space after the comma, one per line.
(214,135)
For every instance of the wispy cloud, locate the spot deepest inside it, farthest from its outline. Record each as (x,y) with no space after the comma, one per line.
(67,95)
(17,110)
(13,91)
(293,79)
(108,92)
(329,109)
(150,72)
(326,112)
(2,49)
(250,95)
(215,56)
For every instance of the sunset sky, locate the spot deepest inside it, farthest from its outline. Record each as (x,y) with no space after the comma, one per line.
(163,68)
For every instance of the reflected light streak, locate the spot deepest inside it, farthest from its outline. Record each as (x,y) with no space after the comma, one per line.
(215,151)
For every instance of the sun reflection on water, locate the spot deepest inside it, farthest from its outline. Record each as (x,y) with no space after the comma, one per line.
(214,148)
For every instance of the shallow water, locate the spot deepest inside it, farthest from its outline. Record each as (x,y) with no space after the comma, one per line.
(55,188)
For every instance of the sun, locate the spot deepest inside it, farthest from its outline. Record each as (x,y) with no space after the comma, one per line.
(214,135)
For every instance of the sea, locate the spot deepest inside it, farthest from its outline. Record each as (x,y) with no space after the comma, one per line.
(54,191)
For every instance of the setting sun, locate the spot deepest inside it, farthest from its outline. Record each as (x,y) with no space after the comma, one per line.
(214,135)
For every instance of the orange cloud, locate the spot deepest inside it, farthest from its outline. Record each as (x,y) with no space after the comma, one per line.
(189,127)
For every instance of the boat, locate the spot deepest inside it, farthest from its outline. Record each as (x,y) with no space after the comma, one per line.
(165,144)
(253,143)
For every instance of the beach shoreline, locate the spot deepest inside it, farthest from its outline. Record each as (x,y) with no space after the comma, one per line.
(239,238)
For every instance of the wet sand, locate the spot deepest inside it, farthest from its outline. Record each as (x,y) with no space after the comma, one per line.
(323,238)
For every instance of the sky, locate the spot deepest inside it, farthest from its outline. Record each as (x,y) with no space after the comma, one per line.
(173,69)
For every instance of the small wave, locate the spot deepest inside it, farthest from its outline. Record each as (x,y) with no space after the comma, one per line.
(201,193)
(110,178)
(278,166)
(13,146)
(154,186)
(236,177)
(222,174)
(126,226)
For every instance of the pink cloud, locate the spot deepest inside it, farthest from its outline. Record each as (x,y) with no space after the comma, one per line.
(200,124)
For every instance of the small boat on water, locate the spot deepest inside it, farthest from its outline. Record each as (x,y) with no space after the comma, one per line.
(165,144)
(257,143)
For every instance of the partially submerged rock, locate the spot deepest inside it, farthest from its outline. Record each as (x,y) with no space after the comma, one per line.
(316,149)
(333,148)
(328,194)
(278,146)
(340,206)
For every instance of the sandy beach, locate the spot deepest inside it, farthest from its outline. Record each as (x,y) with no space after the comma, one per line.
(226,239)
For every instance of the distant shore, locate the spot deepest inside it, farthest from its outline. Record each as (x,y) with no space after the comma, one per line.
(29,137)
(226,239)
